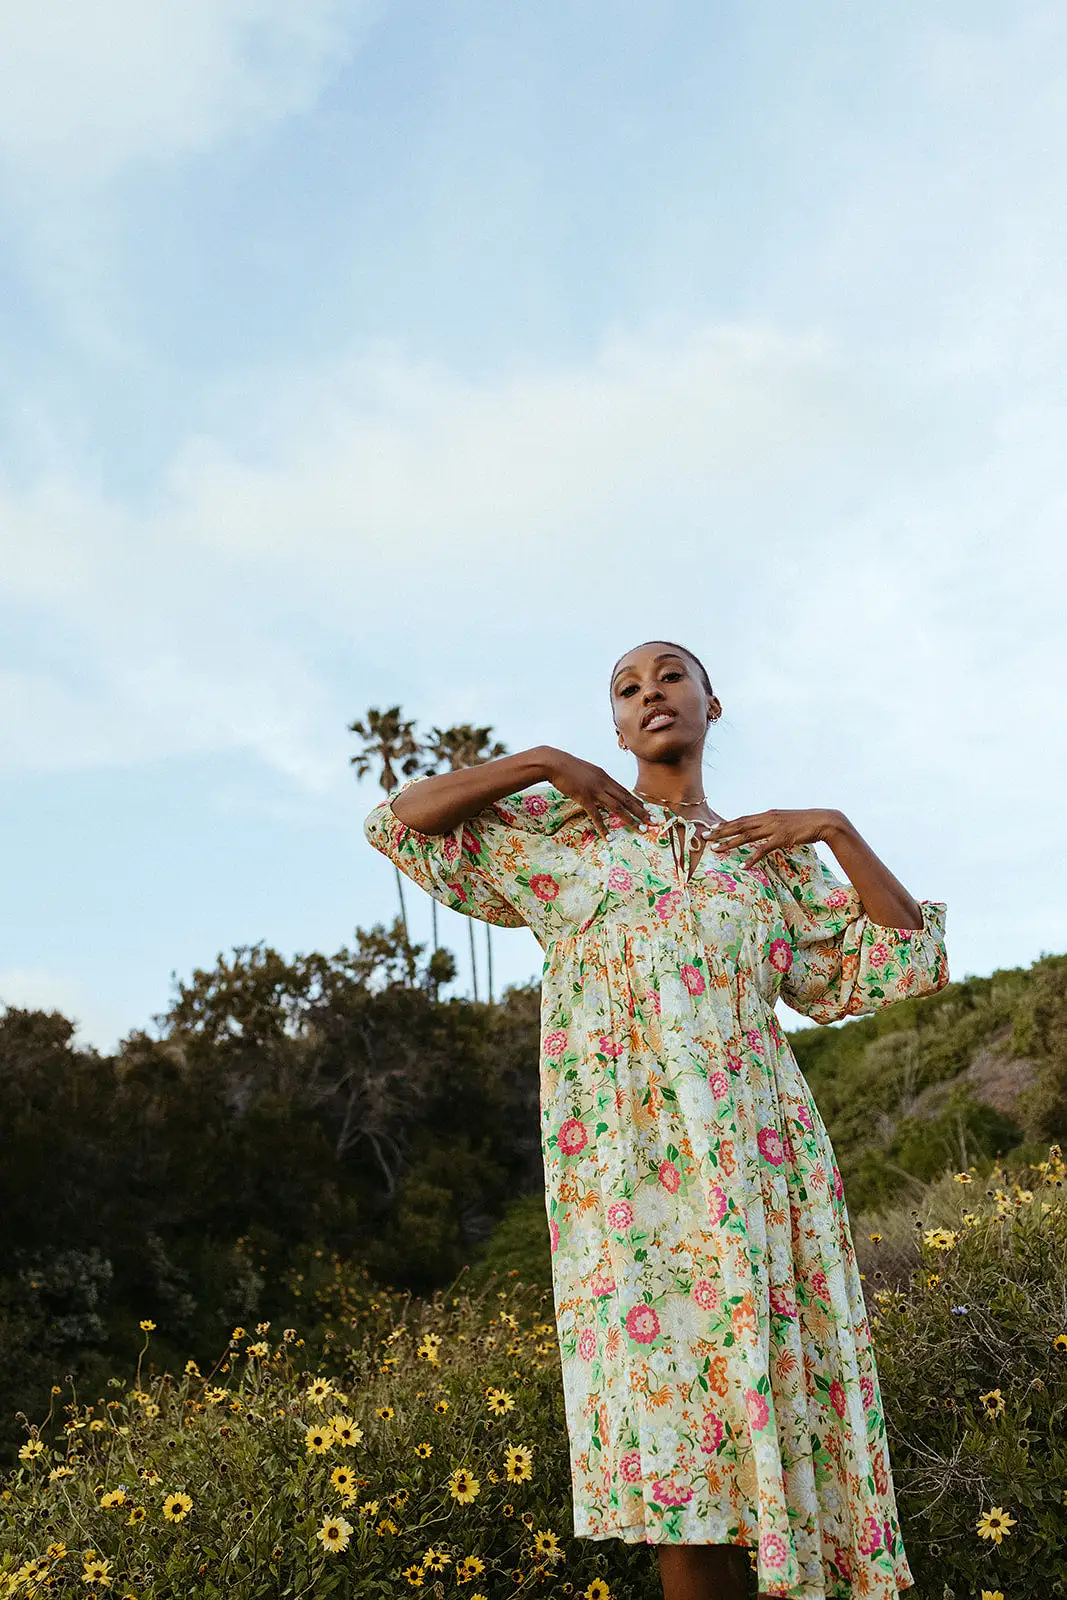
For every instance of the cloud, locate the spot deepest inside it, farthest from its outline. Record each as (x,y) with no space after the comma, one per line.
(88,90)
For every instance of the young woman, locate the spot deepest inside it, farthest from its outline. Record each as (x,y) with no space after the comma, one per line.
(720,1387)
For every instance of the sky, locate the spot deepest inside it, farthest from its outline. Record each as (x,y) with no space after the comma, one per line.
(357,353)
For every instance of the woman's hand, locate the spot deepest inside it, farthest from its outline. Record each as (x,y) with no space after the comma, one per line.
(594,789)
(778,830)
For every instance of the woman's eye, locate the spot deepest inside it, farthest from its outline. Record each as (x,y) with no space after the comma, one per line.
(673,673)
(631,688)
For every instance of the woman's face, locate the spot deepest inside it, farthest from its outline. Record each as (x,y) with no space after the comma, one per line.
(659,702)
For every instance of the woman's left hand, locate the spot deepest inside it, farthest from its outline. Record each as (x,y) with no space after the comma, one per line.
(776,830)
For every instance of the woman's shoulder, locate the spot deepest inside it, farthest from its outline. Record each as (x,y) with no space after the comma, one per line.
(543,809)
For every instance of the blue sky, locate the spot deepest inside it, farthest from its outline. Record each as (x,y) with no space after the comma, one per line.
(356,353)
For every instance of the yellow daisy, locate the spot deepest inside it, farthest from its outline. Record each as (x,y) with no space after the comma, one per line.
(441,1407)
(518,1463)
(192,1369)
(597,1590)
(499,1401)
(963,1177)
(435,1560)
(469,1567)
(56,1551)
(463,1486)
(992,1594)
(995,1524)
(148,1326)
(345,1431)
(1060,1341)
(60,1472)
(176,1507)
(424,1451)
(318,1440)
(97,1569)
(116,1497)
(136,1516)
(31,1450)
(334,1534)
(385,1413)
(319,1390)
(414,1576)
(993,1401)
(546,1543)
(343,1478)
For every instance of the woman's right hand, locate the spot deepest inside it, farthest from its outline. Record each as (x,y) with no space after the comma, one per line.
(594,789)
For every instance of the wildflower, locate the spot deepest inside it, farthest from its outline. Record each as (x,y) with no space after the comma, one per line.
(387,1525)
(424,1451)
(933,1279)
(56,1551)
(597,1590)
(963,1177)
(940,1238)
(31,1450)
(345,1431)
(369,1508)
(961,1311)
(993,1402)
(1060,1341)
(499,1401)
(546,1544)
(441,1407)
(97,1425)
(995,1524)
(509,1511)
(97,1569)
(148,1326)
(259,1349)
(469,1567)
(518,1463)
(176,1507)
(343,1478)
(149,1474)
(238,1333)
(334,1534)
(435,1560)
(115,1498)
(385,1413)
(318,1440)
(414,1576)
(399,1500)
(215,1396)
(992,1594)
(875,1238)
(319,1391)
(463,1486)
(151,1410)
(136,1516)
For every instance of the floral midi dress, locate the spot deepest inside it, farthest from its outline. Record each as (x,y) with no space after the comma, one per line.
(718,1375)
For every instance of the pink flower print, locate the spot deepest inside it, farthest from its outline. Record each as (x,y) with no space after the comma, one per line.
(836,1398)
(572,1138)
(459,892)
(669,1492)
(544,886)
(706,1294)
(773,1550)
(642,1324)
(871,1538)
(733,1061)
(692,979)
(836,899)
(553,1235)
(760,876)
(723,881)
(609,1046)
(757,1408)
(867,1391)
(614,820)
(668,903)
(587,1344)
(670,1177)
(839,1188)
(450,848)
(819,1287)
(719,1084)
(599,1285)
(630,1467)
(754,1040)
(620,1215)
(711,1433)
(620,880)
(879,955)
(717,1203)
(654,997)
(782,1303)
(781,956)
(535,805)
(887,1535)
(555,1042)
(804,1118)
(770,1146)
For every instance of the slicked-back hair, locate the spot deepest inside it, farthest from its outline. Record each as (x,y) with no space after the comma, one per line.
(682,651)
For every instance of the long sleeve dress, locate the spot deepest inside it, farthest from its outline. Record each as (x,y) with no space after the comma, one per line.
(718,1375)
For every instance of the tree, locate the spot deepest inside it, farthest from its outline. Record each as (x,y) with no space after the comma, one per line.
(388,743)
(453,749)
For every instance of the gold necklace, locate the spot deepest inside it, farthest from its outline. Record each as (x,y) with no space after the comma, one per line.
(687,804)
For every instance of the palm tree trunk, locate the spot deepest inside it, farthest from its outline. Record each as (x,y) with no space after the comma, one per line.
(403,910)
(489,959)
(474,964)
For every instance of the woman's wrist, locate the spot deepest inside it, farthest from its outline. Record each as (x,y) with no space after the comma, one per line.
(835,828)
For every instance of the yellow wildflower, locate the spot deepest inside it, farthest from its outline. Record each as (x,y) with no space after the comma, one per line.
(518,1463)
(499,1401)
(994,1524)
(115,1498)
(1060,1341)
(176,1507)
(136,1516)
(147,1325)
(993,1401)
(546,1544)
(319,1439)
(31,1450)
(597,1590)
(940,1238)
(385,1413)
(334,1534)
(435,1560)
(424,1451)
(463,1486)
(345,1431)
(319,1390)
(469,1567)
(414,1575)
(97,1569)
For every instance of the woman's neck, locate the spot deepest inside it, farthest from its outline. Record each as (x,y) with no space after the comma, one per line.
(673,785)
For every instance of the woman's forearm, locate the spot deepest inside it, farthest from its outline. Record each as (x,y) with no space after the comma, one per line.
(884,897)
(439,804)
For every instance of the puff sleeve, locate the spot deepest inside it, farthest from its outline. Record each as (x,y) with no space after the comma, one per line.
(844,964)
(517,863)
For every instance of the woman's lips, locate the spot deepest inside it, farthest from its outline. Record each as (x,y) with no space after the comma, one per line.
(663,718)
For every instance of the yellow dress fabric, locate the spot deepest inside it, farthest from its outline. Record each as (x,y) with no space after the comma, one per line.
(718,1375)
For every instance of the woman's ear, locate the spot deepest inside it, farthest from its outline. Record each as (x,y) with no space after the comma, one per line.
(622,742)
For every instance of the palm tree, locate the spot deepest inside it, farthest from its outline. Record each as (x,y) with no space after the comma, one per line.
(451,749)
(389,743)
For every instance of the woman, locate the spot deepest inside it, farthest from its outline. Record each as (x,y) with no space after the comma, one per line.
(718,1375)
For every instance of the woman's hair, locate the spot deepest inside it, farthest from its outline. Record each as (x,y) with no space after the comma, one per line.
(682,651)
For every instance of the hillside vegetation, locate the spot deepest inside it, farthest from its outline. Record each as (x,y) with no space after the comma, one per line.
(286,1109)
